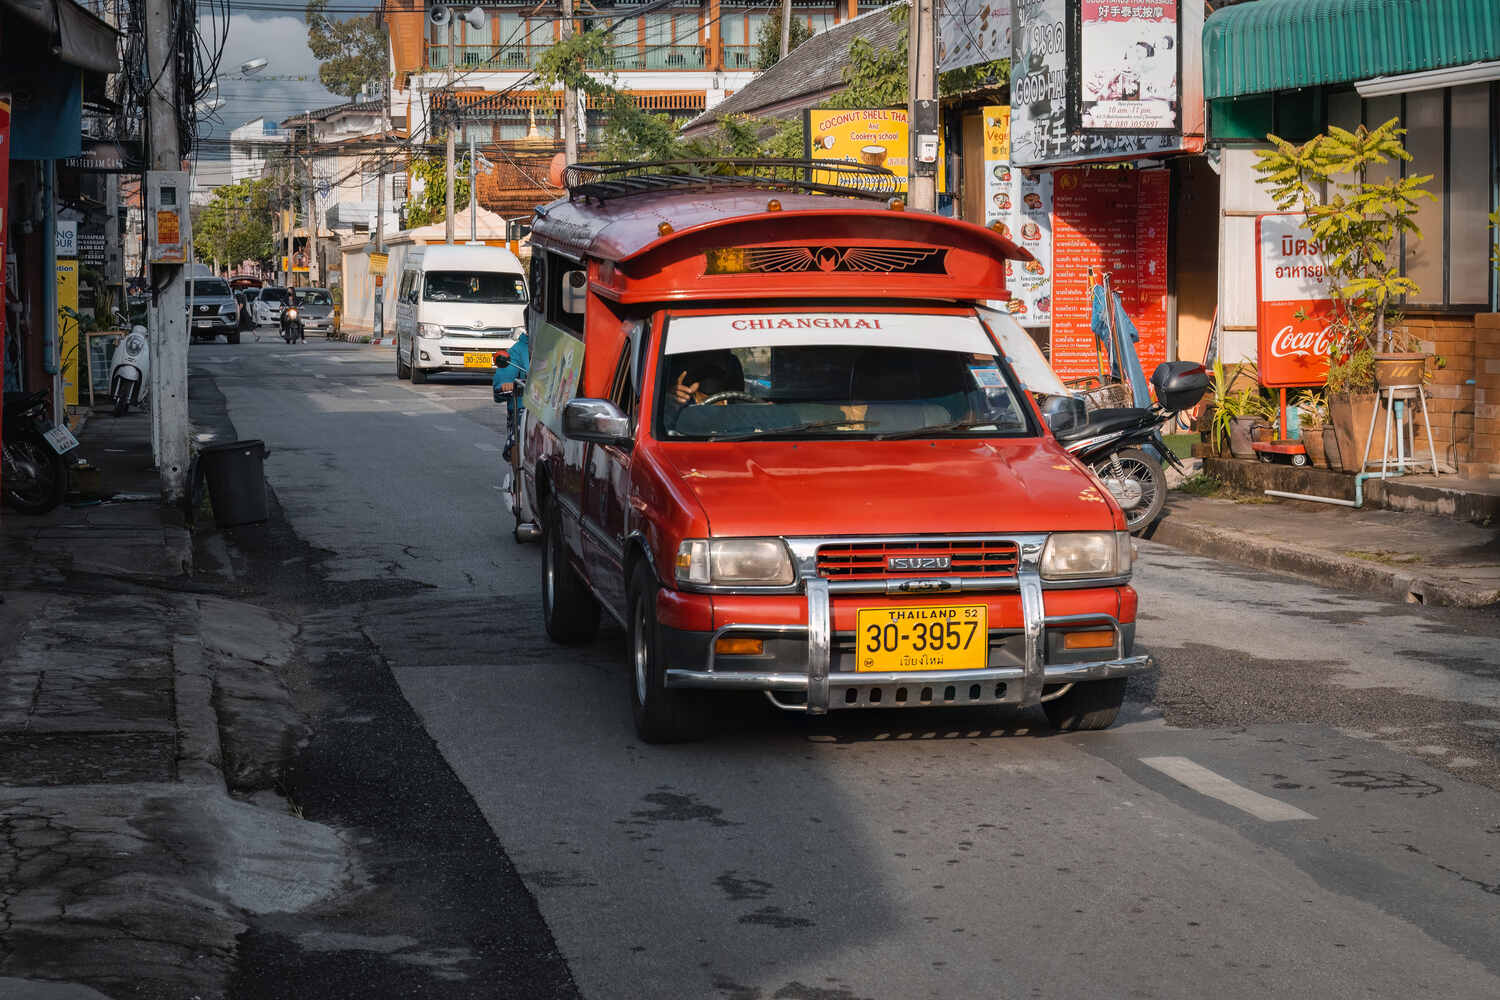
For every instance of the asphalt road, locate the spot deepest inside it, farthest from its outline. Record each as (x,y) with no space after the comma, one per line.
(1303,797)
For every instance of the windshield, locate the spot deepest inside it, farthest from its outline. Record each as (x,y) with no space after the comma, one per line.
(867,375)
(483,287)
(314,297)
(203,287)
(273,295)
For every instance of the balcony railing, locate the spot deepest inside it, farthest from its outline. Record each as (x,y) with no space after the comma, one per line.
(497,58)
(739,56)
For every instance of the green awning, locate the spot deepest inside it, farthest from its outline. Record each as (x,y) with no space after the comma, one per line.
(1270,45)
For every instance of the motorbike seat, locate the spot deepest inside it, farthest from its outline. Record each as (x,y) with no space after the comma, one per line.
(1105,421)
(20,401)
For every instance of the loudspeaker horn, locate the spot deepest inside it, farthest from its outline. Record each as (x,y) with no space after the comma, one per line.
(439,15)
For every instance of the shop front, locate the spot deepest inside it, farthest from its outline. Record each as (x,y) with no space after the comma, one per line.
(1297,68)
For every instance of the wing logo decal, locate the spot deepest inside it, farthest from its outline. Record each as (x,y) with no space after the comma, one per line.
(828,259)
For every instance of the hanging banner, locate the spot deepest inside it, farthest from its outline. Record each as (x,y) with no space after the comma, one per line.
(972,32)
(878,137)
(1020,202)
(1294,311)
(1128,61)
(67,330)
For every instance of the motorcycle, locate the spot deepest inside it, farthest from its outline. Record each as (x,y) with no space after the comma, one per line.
(291,324)
(130,370)
(33,466)
(1124,447)
(514,399)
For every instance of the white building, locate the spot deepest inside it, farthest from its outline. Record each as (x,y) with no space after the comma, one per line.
(251,145)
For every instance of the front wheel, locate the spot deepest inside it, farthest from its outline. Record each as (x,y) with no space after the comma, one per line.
(661,714)
(403,370)
(1138,484)
(418,375)
(35,477)
(569,611)
(123,391)
(1087,705)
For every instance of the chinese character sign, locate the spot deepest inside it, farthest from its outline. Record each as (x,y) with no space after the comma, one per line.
(1129,63)
(1294,311)
(1020,202)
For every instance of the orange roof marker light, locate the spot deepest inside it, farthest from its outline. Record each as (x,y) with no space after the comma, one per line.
(774,205)
(665,229)
(896,205)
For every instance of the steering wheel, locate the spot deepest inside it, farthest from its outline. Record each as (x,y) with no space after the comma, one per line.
(729,394)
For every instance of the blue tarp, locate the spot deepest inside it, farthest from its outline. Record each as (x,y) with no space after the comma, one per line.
(1121,355)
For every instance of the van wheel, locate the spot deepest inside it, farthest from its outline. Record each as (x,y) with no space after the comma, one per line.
(418,375)
(661,714)
(569,611)
(1088,705)
(402,371)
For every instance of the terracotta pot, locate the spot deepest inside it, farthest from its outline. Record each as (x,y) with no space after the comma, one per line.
(1241,434)
(1264,432)
(1312,442)
(1399,369)
(1350,415)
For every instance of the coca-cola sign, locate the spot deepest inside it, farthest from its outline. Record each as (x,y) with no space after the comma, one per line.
(1295,310)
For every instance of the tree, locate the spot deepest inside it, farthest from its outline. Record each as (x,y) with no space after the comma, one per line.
(429,204)
(351,53)
(235,225)
(768,42)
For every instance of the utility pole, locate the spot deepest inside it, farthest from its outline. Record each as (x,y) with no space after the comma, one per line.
(167,319)
(922,108)
(309,205)
(473,191)
(570,95)
(786,27)
(448,164)
(289,221)
(379,321)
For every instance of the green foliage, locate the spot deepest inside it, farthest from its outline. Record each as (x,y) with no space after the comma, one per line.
(1201,484)
(1351,371)
(1357,223)
(235,225)
(1231,403)
(982,76)
(351,53)
(768,42)
(1313,405)
(430,203)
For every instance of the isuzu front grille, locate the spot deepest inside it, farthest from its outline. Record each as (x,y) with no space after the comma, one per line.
(992,558)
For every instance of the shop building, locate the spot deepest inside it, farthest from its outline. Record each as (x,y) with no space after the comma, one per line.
(1293,68)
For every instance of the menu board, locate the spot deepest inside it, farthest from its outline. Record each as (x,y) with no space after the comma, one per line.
(1020,201)
(1113,221)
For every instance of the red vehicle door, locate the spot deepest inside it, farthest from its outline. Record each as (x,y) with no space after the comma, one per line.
(606,491)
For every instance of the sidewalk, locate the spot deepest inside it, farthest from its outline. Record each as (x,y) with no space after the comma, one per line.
(143,724)
(1419,558)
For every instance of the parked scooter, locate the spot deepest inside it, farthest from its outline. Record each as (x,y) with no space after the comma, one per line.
(1124,447)
(130,370)
(291,323)
(33,466)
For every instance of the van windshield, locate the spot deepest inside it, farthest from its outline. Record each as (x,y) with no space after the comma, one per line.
(481,287)
(865,375)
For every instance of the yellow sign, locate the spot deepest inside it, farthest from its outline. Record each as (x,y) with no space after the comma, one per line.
(997,133)
(378,262)
(67,330)
(878,137)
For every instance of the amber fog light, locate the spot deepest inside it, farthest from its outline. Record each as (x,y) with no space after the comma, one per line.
(1097,639)
(740,647)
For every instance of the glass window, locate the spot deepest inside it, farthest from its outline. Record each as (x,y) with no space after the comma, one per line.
(314,297)
(1424,141)
(210,286)
(687,29)
(658,29)
(276,296)
(733,28)
(481,287)
(1344,109)
(1469,196)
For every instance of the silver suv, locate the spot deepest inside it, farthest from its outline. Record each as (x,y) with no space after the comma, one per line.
(214,311)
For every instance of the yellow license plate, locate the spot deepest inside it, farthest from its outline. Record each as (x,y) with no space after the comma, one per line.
(479,359)
(954,637)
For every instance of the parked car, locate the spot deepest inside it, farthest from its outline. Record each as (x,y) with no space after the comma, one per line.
(315,308)
(215,310)
(268,305)
(773,438)
(455,307)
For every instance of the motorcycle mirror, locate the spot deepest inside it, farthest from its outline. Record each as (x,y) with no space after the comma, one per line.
(1063,413)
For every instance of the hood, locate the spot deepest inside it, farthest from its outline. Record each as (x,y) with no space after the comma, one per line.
(947,486)
(315,310)
(463,315)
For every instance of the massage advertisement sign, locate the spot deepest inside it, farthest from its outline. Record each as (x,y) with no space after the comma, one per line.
(1128,56)
(1294,310)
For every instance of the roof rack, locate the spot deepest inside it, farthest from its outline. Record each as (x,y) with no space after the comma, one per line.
(602,181)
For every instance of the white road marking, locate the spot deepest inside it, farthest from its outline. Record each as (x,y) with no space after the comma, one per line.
(362,392)
(316,375)
(443,427)
(1205,782)
(482,446)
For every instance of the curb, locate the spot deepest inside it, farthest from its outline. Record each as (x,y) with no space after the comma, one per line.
(200,755)
(1318,565)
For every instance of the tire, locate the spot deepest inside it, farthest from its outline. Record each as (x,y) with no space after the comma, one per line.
(418,375)
(569,612)
(661,714)
(233,338)
(1088,705)
(402,371)
(122,397)
(1146,472)
(46,490)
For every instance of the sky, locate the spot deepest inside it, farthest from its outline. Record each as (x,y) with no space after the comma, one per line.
(281,39)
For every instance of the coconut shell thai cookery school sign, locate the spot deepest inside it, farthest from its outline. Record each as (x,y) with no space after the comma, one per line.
(1294,311)
(1095,80)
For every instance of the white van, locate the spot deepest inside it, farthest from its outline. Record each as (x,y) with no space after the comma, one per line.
(455,307)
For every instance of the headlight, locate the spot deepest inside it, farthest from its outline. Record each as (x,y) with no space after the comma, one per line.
(760,562)
(229,310)
(291,313)
(1077,555)
(429,330)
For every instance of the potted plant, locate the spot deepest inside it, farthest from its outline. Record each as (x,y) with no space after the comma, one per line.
(1237,412)
(1312,411)
(1356,223)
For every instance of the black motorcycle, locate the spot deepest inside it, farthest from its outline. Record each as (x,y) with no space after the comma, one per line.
(1123,446)
(33,466)
(291,324)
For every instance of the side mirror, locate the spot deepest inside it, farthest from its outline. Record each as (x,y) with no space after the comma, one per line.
(1063,413)
(596,420)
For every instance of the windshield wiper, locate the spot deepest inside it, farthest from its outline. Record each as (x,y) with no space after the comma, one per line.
(794,429)
(952,425)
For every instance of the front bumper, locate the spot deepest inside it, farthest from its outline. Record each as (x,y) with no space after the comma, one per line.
(447,353)
(809,668)
(216,323)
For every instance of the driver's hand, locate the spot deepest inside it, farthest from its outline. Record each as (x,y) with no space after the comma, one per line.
(683,392)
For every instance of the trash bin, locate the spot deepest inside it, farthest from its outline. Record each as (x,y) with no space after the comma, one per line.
(236,481)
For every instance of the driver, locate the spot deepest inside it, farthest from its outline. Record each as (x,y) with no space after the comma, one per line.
(702,374)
